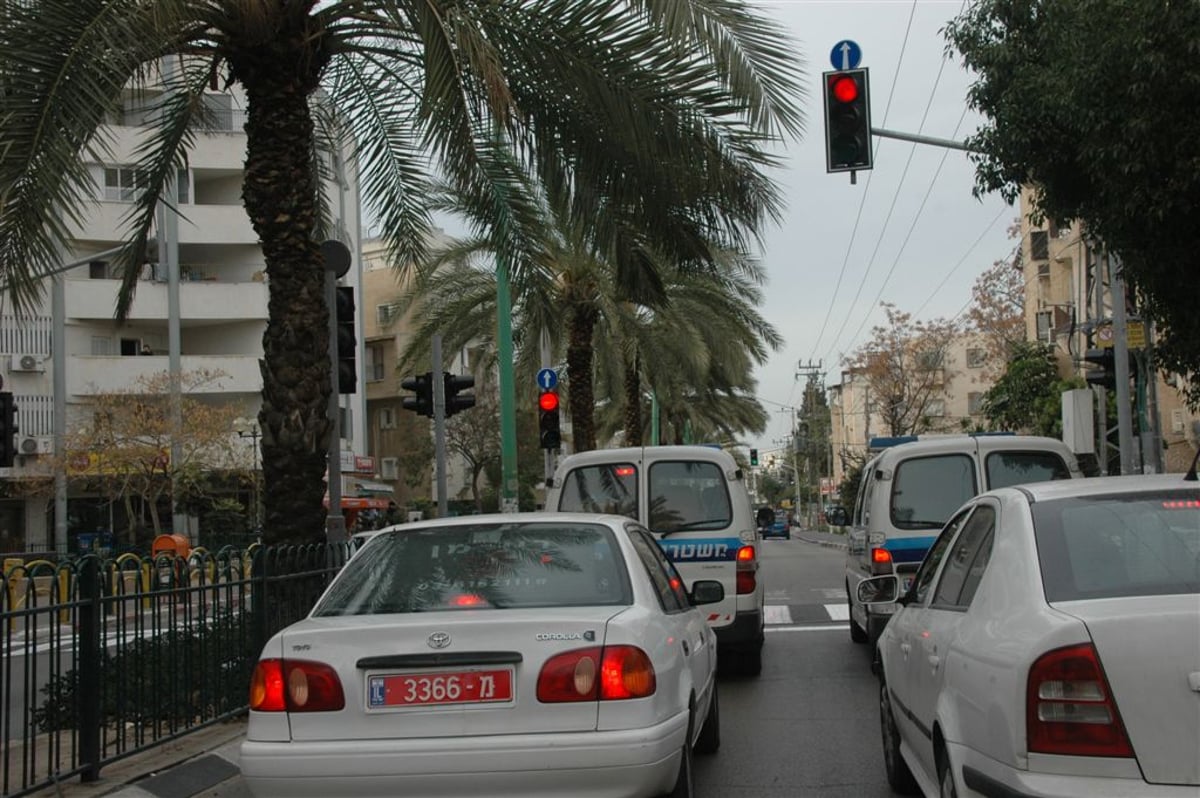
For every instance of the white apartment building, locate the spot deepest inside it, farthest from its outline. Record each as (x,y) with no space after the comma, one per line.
(216,324)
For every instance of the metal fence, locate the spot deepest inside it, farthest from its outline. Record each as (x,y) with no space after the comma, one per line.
(103,658)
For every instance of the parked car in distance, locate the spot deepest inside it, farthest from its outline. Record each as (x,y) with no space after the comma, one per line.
(531,654)
(910,488)
(1049,646)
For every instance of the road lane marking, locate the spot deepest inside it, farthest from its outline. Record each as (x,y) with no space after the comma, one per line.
(777,614)
(825,627)
(838,612)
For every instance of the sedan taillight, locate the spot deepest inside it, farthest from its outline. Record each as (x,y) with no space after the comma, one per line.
(293,685)
(747,570)
(1069,708)
(610,673)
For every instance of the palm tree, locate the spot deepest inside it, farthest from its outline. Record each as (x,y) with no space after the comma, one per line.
(658,111)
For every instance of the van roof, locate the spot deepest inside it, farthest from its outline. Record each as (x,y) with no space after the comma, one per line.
(689,452)
(982,443)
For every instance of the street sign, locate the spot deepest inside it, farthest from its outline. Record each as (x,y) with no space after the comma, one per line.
(845,55)
(547,379)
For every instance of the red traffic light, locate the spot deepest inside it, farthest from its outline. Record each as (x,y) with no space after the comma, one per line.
(844,88)
(548,401)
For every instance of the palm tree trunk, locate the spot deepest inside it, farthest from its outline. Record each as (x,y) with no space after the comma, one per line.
(279,192)
(633,402)
(579,377)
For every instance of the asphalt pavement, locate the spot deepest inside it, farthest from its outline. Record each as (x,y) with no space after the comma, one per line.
(204,764)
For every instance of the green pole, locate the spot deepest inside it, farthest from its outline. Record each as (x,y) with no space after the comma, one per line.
(508,412)
(653,418)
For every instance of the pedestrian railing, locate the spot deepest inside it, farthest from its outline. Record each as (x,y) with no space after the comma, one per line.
(103,658)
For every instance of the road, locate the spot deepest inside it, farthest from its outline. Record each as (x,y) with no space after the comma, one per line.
(809,725)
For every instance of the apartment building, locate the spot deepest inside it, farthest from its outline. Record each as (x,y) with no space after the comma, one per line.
(209,313)
(963,375)
(1068,305)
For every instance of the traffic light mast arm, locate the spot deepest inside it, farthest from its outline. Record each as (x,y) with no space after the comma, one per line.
(949,144)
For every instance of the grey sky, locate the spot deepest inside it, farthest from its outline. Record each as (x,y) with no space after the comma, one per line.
(902,259)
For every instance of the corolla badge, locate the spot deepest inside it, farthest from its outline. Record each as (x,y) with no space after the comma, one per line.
(438,640)
(588,635)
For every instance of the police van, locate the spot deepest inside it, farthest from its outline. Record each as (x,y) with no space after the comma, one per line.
(910,488)
(695,502)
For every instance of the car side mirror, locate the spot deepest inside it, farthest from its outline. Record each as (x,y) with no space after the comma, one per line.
(706,591)
(879,590)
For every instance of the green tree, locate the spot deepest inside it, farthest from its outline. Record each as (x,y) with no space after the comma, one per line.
(652,119)
(1027,397)
(1087,101)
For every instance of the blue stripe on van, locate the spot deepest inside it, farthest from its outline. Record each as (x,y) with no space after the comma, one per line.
(909,549)
(700,549)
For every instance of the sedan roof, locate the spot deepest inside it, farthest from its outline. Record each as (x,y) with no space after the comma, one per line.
(1097,486)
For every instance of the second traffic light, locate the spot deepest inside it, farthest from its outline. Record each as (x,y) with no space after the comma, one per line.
(847,121)
(754,457)
(455,384)
(549,434)
(422,386)
(347,341)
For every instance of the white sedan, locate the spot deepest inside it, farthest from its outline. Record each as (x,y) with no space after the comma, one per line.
(1050,646)
(538,654)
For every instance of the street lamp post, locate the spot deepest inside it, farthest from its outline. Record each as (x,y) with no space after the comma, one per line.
(248,428)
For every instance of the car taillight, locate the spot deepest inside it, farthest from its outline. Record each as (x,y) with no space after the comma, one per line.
(747,570)
(611,673)
(291,685)
(881,562)
(1069,708)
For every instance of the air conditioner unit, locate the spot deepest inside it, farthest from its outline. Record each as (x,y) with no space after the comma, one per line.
(389,468)
(1043,271)
(23,362)
(37,445)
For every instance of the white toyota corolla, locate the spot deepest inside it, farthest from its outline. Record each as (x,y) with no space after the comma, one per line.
(508,655)
(1050,646)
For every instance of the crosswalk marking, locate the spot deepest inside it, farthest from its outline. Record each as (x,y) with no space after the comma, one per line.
(777,614)
(838,612)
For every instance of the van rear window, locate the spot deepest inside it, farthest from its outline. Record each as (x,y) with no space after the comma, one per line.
(1005,469)
(608,488)
(688,495)
(926,491)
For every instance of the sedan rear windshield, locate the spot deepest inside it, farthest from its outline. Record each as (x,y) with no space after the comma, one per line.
(481,567)
(1144,544)
(1005,469)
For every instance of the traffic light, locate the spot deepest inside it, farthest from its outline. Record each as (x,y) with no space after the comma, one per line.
(8,429)
(754,457)
(1106,375)
(549,434)
(847,121)
(422,403)
(455,383)
(347,341)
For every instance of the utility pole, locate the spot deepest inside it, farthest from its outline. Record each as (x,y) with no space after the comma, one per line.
(1116,284)
(812,372)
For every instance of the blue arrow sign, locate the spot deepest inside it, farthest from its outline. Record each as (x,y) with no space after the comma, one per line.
(547,379)
(845,55)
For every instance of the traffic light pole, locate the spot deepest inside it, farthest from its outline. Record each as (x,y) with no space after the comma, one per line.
(951,144)
(439,424)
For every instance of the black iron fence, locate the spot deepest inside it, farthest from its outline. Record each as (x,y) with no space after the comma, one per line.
(103,658)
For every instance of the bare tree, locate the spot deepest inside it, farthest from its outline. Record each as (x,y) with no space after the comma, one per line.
(475,435)
(997,311)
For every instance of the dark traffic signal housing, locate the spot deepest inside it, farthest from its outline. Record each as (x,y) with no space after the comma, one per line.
(455,384)
(754,457)
(847,121)
(347,341)
(422,386)
(8,429)
(1106,359)
(549,433)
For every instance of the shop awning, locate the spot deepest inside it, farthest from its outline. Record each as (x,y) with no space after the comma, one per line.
(361,503)
(373,487)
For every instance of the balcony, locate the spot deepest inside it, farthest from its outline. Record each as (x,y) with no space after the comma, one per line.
(200,224)
(88,375)
(201,299)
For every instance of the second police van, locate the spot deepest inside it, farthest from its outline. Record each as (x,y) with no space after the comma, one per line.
(695,502)
(909,489)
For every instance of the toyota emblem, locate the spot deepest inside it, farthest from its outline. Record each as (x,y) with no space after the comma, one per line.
(438,640)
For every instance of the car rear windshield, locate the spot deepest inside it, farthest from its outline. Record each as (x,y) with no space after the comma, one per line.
(688,495)
(1005,469)
(1144,544)
(482,566)
(608,488)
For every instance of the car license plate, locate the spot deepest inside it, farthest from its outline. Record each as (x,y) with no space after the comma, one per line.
(424,689)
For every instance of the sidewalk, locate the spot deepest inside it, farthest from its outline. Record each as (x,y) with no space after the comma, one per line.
(202,764)
(828,539)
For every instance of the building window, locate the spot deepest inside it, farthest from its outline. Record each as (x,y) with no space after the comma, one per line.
(101,346)
(385,314)
(374,359)
(976,358)
(387,418)
(121,184)
(1039,245)
(929,360)
(975,403)
(936,408)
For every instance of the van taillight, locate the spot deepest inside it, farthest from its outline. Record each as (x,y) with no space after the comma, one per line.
(1069,708)
(610,673)
(290,685)
(747,570)
(881,561)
